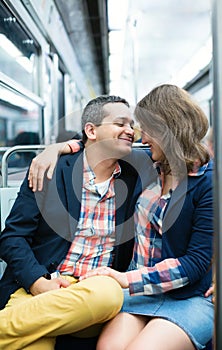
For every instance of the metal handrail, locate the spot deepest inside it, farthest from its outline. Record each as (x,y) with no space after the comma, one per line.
(217,129)
(6,155)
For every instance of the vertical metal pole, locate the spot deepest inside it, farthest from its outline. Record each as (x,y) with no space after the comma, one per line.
(217,129)
(134,60)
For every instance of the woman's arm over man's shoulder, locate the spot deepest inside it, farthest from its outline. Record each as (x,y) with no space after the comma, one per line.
(45,162)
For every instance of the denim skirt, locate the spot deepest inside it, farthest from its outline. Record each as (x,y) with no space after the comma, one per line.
(194,315)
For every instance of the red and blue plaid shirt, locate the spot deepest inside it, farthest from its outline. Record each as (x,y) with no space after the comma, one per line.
(150,274)
(95,236)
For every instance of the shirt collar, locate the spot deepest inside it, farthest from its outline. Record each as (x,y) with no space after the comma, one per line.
(89,175)
(198,170)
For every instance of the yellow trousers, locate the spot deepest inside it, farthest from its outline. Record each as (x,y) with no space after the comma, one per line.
(32,322)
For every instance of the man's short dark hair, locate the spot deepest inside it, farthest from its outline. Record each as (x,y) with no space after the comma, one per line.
(94,113)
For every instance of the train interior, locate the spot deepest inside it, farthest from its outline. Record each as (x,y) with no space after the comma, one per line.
(55,55)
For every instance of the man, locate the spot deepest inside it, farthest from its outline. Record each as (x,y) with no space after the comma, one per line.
(83,219)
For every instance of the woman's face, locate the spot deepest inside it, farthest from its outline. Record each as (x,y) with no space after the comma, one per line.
(152,142)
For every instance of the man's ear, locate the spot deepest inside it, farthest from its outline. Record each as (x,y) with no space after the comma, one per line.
(90,130)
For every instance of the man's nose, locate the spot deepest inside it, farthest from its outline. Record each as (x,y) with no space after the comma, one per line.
(129,128)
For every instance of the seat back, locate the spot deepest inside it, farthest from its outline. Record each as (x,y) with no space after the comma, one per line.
(7,198)
(9,189)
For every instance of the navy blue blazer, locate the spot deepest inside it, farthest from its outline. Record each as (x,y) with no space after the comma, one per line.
(41,225)
(188,232)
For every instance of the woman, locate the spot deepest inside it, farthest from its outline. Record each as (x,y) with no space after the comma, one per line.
(164,305)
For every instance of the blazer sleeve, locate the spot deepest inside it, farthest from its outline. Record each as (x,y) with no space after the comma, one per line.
(16,239)
(198,258)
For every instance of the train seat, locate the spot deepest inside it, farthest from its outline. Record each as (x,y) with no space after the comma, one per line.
(67,342)
(209,345)
(7,198)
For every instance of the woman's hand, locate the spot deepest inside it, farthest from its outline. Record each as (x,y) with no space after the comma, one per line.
(46,161)
(209,292)
(120,277)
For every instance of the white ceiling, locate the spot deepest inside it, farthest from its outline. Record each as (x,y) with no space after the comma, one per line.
(167,35)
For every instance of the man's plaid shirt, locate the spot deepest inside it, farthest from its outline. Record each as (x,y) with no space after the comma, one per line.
(95,236)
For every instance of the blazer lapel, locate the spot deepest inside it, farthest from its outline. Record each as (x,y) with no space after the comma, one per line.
(177,200)
(121,192)
(125,193)
(73,179)
(124,189)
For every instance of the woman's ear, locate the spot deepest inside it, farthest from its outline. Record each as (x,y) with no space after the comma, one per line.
(90,130)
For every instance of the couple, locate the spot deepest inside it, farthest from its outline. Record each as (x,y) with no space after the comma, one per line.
(83,226)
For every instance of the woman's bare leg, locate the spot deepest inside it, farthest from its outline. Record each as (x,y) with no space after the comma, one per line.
(160,334)
(120,331)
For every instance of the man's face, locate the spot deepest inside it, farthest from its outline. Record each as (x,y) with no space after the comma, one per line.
(116,133)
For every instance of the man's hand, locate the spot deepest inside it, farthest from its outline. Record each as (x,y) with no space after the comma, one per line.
(120,277)
(45,161)
(42,285)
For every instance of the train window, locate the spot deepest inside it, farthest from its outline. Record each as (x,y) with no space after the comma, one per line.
(17,114)
(73,105)
(18,51)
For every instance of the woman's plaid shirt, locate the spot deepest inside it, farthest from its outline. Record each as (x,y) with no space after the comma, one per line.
(150,274)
